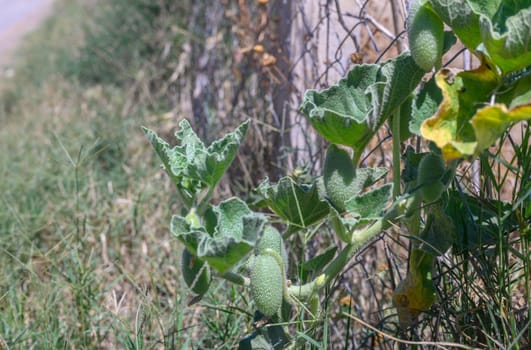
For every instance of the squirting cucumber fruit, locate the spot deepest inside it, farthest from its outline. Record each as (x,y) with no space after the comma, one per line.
(195,273)
(430,174)
(426,36)
(272,239)
(339,177)
(267,284)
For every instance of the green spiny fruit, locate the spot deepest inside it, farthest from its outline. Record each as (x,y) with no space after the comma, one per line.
(339,177)
(426,36)
(267,284)
(195,273)
(430,173)
(272,239)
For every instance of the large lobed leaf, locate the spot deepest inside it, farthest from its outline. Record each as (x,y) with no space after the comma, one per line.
(370,205)
(236,231)
(509,50)
(466,122)
(191,160)
(300,205)
(500,29)
(350,112)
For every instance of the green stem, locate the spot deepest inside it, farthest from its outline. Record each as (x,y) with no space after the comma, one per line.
(359,239)
(236,278)
(396,153)
(356,156)
(185,199)
(203,204)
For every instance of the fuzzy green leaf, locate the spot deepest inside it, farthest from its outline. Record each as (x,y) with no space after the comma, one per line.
(424,105)
(191,159)
(500,29)
(509,50)
(350,112)
(236,233)
(318,263)
(370,205)
(462,18)
(299,204)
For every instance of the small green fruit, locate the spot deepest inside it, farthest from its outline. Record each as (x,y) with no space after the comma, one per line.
(426,36)
(195,273)
(267,284)
(272,239)
(339,177)
(430,173)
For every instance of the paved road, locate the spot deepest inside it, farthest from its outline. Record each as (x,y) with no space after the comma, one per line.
(17,18)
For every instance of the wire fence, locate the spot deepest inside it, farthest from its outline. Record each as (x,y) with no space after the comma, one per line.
(254,60)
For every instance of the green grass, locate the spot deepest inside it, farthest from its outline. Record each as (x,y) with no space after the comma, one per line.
(87,259)
(86,255)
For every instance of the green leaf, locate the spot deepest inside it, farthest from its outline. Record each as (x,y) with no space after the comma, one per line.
(236,233)
(478,222)
(271,337)
(255,341)
(318,263)
(509,50)
(350,112)
(521,92)
(491,122)
(425,105)
(173,163)
(396,80)
(488,8)
(299,204)
(370,205)
(450,128)
(498,29)
(462,18)
(438,234)
(192,159)
(339,113)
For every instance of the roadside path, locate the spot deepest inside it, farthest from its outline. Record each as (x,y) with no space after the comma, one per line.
(18,18)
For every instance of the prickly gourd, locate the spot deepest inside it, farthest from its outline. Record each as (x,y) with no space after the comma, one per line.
(426,36)
(339,177)
(430,174)
(272,239)
(195,273)
(267,284)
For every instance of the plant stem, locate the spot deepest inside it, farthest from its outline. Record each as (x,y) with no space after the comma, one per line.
(201,208)
(396,153)
(356,157)
(236,278)
(359,239)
